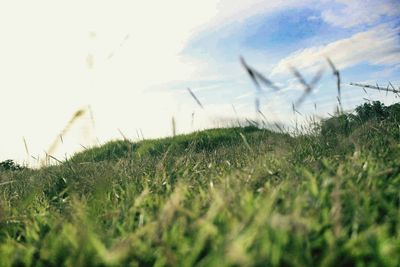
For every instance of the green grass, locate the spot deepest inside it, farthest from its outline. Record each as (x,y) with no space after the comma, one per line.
(221,197)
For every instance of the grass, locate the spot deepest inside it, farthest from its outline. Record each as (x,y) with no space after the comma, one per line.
(221,197)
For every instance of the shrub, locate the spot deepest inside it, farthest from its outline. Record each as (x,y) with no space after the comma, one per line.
(10,165)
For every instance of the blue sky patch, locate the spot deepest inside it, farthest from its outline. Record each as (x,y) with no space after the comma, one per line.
(277,34)
(286,28)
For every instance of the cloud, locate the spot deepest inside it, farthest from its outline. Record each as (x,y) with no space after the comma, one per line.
(360,12)
(228,11)
(377,46)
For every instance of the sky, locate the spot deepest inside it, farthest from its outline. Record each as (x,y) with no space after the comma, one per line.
(126,66)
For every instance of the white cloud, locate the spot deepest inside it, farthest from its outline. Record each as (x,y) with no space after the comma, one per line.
(359,12)
(377,46)
(238,10)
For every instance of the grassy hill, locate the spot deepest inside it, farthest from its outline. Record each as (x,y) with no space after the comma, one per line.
(221,197)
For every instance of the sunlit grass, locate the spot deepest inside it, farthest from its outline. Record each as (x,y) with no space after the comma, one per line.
(222,197)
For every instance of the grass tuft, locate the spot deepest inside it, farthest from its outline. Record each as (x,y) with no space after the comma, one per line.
(239,196)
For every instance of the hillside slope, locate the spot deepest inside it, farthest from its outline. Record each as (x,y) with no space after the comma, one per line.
(221,197)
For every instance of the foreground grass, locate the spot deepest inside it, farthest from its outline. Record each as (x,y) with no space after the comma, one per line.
(223,197)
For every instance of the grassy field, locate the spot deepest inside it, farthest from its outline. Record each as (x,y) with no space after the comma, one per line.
(222,197)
